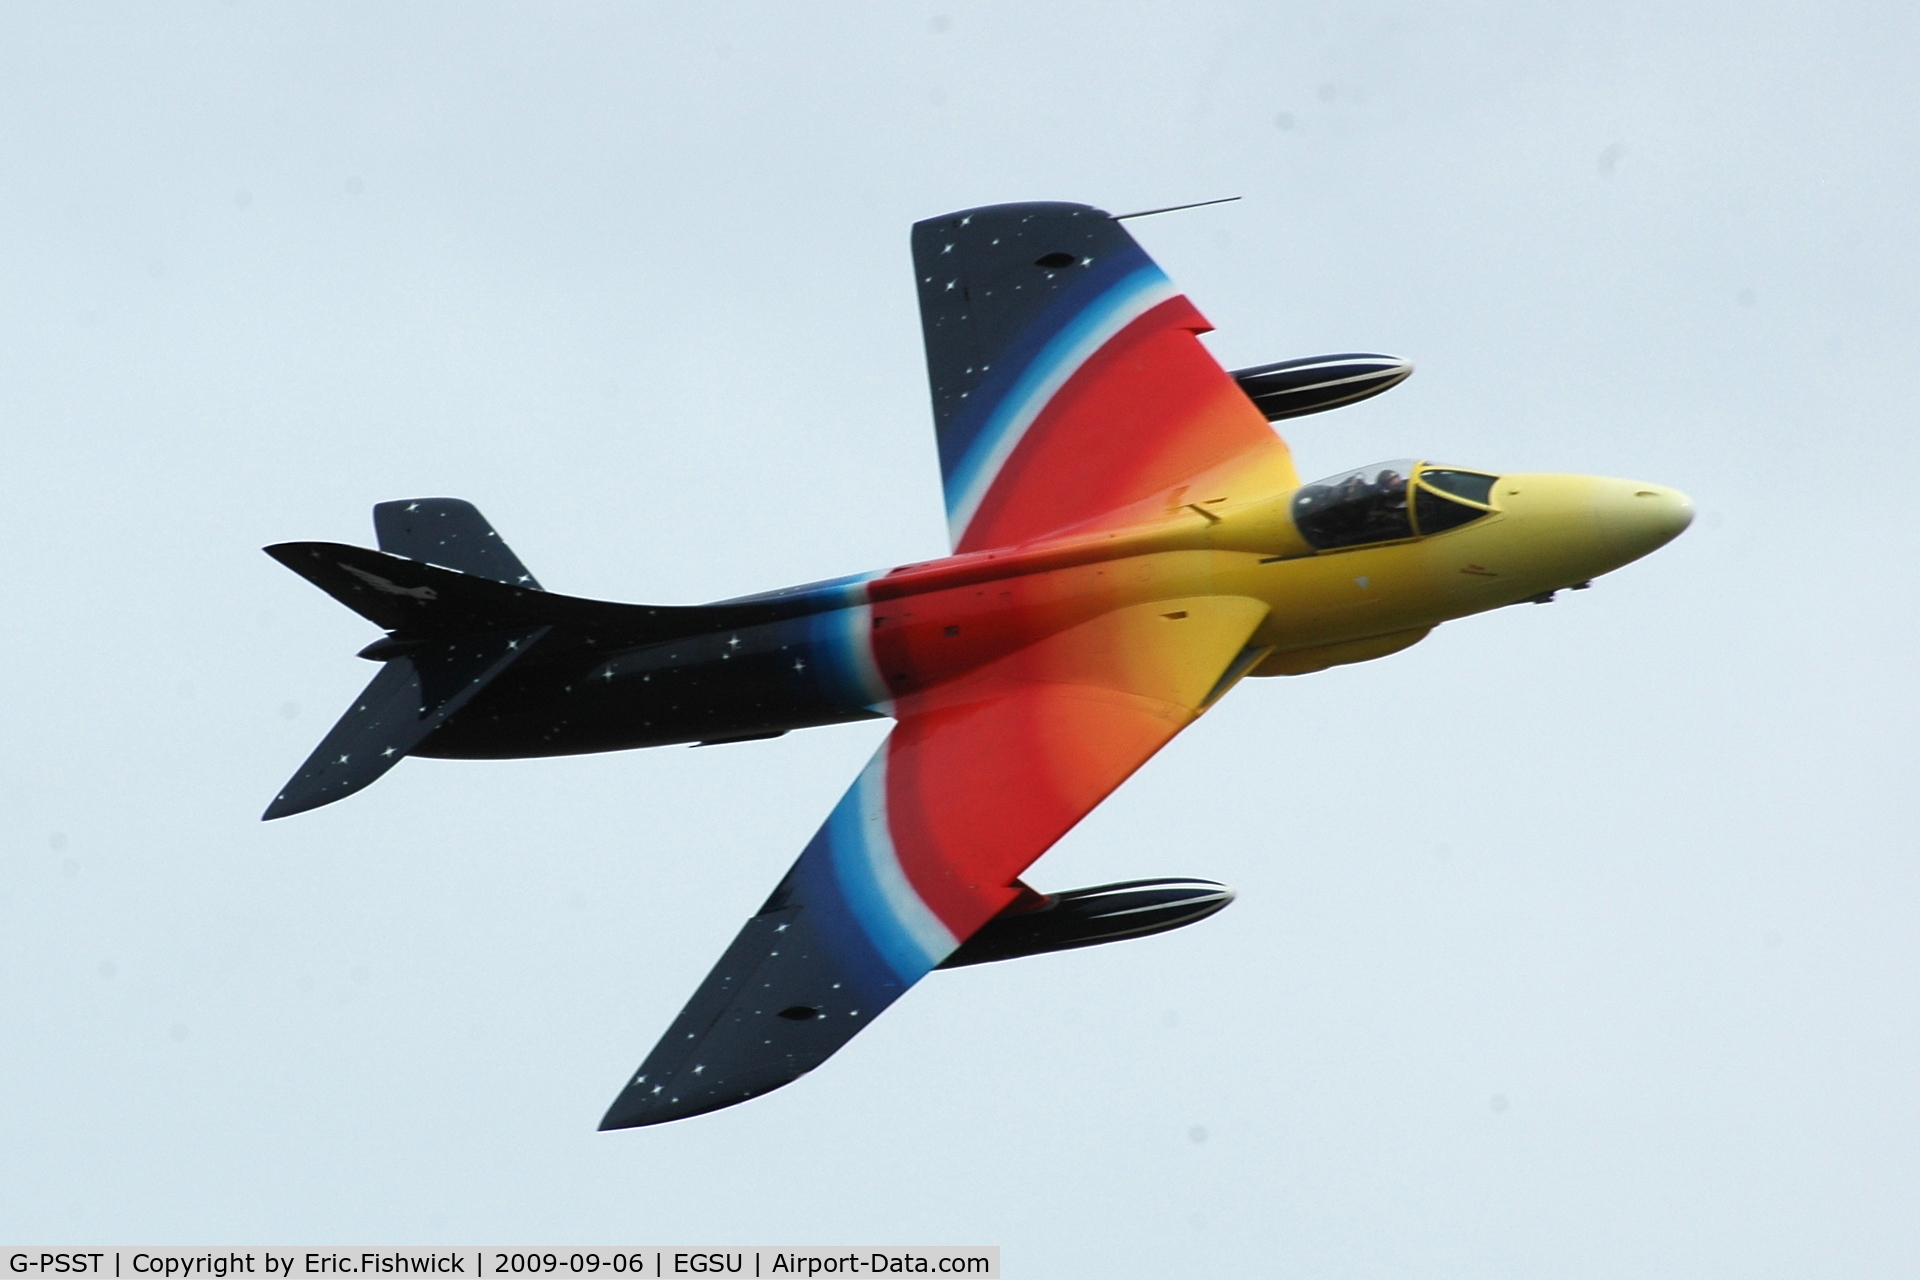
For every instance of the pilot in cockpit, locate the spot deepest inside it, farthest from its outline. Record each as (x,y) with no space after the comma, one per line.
(1354,510)
(1367,505)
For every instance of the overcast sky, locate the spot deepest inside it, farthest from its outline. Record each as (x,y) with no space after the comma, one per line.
(1575,941)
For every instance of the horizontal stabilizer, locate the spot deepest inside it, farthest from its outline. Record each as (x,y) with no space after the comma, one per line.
(451,533)
(410,698)
(408,595)
(417,599)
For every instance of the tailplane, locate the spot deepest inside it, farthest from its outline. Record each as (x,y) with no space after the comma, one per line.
(412,696)
(410,597)
(452,630)
(459,608)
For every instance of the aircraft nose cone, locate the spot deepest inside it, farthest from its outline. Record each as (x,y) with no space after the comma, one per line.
(1640,517)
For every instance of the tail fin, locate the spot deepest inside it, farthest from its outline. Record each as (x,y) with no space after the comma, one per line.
(460,608)
(460,626)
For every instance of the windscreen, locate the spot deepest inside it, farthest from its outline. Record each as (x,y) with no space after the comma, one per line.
(1442,496)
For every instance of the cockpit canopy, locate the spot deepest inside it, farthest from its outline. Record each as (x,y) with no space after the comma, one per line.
(1371,504)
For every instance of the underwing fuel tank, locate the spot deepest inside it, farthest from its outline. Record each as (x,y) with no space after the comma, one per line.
(1294,388)
(1087,917)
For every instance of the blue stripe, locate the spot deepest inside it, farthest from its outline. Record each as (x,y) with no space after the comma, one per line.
(958,438)
(849,910)
(849,834)
(840,646)
(1017,410)
(864,909)
(854,954)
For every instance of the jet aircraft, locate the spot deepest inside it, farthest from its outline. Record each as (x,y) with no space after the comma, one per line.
(1129,541)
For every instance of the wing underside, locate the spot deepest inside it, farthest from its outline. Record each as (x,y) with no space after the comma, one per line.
(977,780)
(1069,383)
(1070,391)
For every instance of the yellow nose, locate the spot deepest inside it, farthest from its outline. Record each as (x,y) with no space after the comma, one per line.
(1636,518)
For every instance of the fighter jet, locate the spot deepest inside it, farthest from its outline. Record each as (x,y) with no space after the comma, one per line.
(1129,542)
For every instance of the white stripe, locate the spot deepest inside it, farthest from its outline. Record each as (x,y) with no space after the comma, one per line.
(916,919)
(858,645)
(1059,360)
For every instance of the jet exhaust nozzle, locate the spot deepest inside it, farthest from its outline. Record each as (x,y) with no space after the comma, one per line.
(1088,917)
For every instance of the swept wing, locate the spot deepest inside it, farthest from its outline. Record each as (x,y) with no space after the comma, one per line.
(979,778)
(1069,383)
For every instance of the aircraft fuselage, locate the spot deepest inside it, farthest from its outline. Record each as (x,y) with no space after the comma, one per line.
(850,648)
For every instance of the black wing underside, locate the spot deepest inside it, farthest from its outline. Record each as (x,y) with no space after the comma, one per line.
(775,1007)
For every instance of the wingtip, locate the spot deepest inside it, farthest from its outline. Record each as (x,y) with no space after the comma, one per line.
(629,1111)
(638,1109)
(645,1112)
(284,806)
(616,1120)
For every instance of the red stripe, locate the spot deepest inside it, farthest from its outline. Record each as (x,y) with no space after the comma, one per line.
(1148,410)
(976,793)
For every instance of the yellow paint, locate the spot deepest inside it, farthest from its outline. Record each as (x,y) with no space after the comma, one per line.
(1168,652)
(1300,662)
(1544,532)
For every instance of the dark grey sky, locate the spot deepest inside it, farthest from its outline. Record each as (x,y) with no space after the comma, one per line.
(1576,941)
